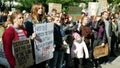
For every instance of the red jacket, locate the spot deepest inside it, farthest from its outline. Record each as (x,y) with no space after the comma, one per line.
(8,37)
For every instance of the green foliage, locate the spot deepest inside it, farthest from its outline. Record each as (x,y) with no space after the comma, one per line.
(27,4)
(114,4)
(114,1)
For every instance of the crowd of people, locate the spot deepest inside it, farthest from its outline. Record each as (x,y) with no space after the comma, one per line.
(74,41)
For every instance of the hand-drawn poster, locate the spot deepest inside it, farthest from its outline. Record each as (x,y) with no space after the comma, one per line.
(56,6)
(22,51)
(93,8)
(43,42)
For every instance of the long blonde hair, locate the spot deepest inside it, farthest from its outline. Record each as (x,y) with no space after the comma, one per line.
(34,12)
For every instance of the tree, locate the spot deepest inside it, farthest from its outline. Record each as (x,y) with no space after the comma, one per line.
(114,5)
(27,4)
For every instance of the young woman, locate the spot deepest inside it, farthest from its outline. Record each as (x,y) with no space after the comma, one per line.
(86,31)
(37,17)
(56,61)
(13,33)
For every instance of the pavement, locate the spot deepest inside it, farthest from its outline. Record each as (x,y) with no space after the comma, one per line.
(115,61)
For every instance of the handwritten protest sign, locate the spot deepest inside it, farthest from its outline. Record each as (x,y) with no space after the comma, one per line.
(93,8)
(56,6)
(3,60)
(43,42)
(77,10)
(75,13)
(23,53)
(100,51)
(103,5)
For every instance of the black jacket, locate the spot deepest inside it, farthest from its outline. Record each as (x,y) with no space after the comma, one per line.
(57,37)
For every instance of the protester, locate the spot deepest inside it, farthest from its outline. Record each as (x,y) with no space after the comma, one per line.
(27,17)
(118,22)
(99,38)
(68,27)
(108,26)
(86,31)
(37,17)
(114,36)
(108,29)
(68,61)
(14,33)
(49,19)
(57,60)
(53,13)
(78,49)
(74,41)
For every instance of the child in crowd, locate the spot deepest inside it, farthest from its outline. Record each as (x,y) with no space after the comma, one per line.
(78,49)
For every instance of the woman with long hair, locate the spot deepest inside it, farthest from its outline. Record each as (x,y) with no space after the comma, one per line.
(14,33)
(37,17)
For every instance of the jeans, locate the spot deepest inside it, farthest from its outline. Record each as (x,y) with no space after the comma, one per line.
(56,61)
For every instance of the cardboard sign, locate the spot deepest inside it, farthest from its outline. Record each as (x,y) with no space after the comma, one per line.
(22,51)
(43,42)
(74,10)
(93,8)
(100,51)
(75,13)
(56,6)
(103,5)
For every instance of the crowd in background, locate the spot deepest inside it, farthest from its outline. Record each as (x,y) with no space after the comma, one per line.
(74,41)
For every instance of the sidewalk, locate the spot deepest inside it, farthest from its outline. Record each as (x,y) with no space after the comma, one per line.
(114,64)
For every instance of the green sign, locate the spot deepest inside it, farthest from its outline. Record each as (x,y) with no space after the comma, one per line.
(74,10)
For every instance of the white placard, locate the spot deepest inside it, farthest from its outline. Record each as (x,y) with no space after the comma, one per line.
(43,42)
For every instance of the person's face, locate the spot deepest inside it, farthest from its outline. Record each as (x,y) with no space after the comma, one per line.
(105,15)
(40,10)
(54,13)
(27,16)
(85,20)
(57,19)
(19,20)
(119,15)
(66,20)
(116,15)
(79,39)
(49,19)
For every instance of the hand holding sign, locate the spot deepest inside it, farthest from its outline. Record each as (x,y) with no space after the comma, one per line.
(33,36)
